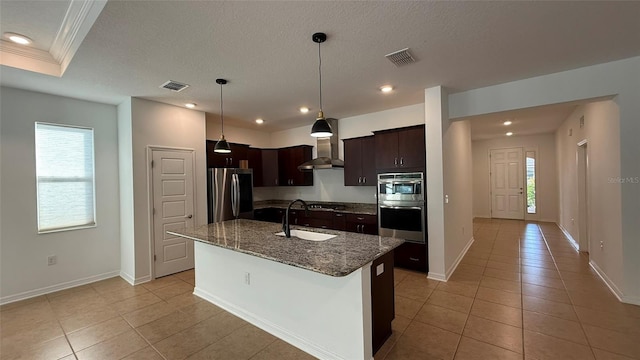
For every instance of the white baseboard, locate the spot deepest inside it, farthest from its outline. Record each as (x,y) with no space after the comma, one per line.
(134,281)
(572,241)
(448,272)
(266,325)
(455,264)
(53,288)
(613,287)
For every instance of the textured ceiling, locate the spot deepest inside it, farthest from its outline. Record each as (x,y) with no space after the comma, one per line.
(265,51)
(40,20)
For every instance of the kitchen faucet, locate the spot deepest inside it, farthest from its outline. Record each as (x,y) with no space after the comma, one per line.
(285,219)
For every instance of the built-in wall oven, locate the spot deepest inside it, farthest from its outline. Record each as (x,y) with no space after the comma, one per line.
(401,206)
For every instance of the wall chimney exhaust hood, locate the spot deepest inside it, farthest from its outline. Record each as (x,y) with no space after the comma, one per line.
(327,151)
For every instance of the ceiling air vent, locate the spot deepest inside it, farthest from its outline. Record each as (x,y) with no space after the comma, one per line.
(401,57)
(174,86)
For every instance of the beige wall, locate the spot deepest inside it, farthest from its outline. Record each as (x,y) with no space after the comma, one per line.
(458,189)
(157,124)
(546,177)
(254,137)
(84,255)
(602,132)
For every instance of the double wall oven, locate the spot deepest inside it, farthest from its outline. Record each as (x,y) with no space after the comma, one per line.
(401,206)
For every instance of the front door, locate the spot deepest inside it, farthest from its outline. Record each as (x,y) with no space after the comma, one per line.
(173,203)
(507,183)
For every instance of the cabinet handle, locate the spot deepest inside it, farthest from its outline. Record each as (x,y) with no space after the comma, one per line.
(360,218)
(364,179)
(339,215)
(395,161)
(359,179)
(276,181)
(362,228)
(401,161)
(324,226)
(414,259)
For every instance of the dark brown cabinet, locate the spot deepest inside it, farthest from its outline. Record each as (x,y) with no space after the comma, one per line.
(230,160)
(288,161)
(411,256)
(365,224)
(400,149)
(255,162)
(270,171)
(359,165)
(382,299)
(340,221)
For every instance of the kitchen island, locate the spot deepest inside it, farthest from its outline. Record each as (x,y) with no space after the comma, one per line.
(315,295)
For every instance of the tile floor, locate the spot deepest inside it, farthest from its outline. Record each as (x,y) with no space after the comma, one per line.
(520,292)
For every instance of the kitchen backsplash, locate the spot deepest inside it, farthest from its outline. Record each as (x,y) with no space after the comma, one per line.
(328,185)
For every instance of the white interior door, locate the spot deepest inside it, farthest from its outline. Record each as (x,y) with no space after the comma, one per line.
(173,204)
(583,199)
(507,183)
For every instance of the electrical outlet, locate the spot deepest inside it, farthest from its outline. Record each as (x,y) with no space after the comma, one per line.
(247,278)
(52,260)
(601,244)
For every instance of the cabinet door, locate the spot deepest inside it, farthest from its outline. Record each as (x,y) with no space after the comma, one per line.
(339,222)
(255,162)
(382,299)
(386,150)
(411,148)
(411,256)
(288,161)
(238,152)
(298,155)
(353,162)
(270,167)
(368,146)
(364,224)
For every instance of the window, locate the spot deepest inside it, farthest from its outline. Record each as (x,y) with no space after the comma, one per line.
(65,177)
(531,182)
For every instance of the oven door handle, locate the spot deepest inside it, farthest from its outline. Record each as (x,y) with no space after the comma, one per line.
(400,207)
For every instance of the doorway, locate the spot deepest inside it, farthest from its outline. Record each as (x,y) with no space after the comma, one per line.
(583,197)
(172,204)
(507,183)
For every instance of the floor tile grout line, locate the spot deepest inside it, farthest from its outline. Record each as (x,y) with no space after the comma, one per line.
(469,313)
(570,299)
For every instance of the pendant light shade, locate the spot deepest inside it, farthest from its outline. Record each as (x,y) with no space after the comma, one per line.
(222,146)
(321,127)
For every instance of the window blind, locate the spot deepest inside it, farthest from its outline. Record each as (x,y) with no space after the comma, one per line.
(65,177)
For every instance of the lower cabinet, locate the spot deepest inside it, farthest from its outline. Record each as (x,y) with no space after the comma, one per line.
(365,224)
(411,256)
(357,223)
(382,299)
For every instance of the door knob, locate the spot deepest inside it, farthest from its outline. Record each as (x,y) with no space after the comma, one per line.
(189,216)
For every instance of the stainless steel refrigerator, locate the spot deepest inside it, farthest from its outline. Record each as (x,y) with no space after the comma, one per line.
(230,194)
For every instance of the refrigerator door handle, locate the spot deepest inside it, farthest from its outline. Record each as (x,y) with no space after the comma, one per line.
(235,195)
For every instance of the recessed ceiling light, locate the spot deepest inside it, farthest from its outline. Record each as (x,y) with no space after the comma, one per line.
(507,122)
(259,121)
(304,109)
(386,89)
(509,133)
(18,38)
(190,105)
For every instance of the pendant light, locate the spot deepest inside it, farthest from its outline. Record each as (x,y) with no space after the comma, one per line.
(321,127)
(222,146)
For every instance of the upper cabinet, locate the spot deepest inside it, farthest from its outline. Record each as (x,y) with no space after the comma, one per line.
(270,172)
(400,149)
(288,161)
(359,165)
(271,167)
(230,160)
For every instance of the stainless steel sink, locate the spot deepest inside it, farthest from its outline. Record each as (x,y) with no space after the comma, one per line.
(308,235)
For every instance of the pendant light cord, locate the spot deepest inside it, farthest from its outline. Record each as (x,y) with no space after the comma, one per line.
(221,113)
(320,73)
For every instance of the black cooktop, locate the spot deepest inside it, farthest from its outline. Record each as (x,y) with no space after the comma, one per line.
(327,206)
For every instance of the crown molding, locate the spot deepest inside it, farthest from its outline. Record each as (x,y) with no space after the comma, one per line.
(28,58)
(80,17)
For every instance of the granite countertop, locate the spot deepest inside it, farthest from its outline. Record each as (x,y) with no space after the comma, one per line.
(349,208)
(338,256)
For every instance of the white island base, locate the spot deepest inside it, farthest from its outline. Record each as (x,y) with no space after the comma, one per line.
(325,316)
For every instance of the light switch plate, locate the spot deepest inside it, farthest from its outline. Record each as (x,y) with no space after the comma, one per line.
(379,269)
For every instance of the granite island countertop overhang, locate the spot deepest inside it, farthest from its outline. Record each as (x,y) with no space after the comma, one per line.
(338,256)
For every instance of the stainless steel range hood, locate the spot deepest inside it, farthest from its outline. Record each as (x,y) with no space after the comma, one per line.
(327,151)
